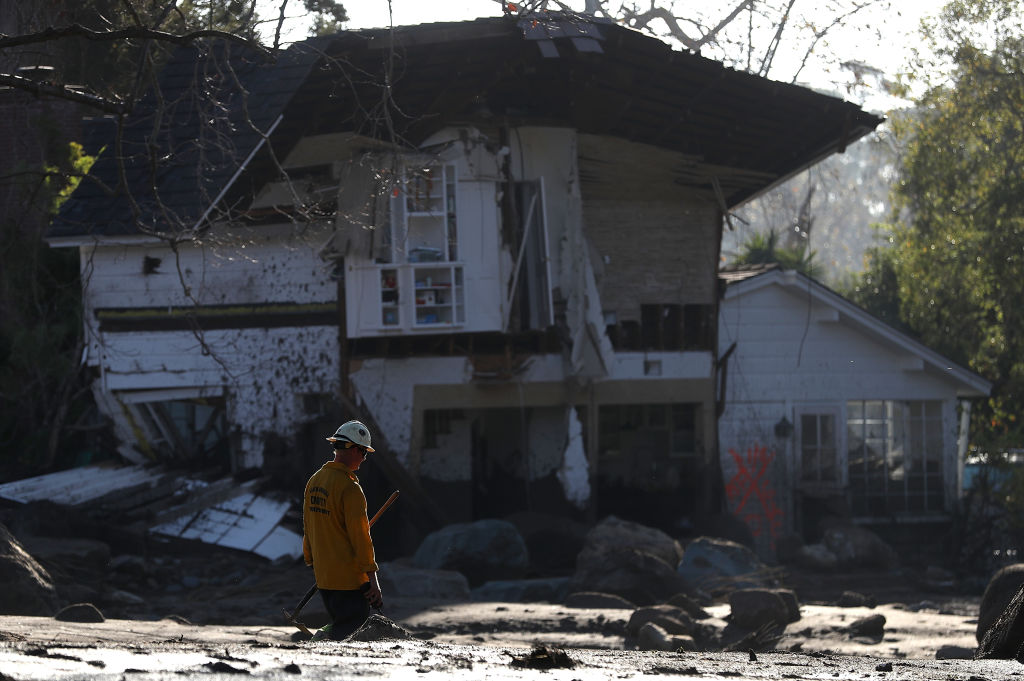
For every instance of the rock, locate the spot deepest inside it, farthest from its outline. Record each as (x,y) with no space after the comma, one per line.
(817,557)
(872,626)
(552,541)
(653,637)
(711,564)
(378,628)
(670,618)
(131,566)
(791,601)
(543,657)
(726,526)
(28,589)
(999,591)
(1004,640)
(613,534)
(855,546)
(640,577)
(551,590)
(401,580)
(597,600)
(80,612)
(853,599)
(690,606)
(951,652)
(483,550)
(753,609)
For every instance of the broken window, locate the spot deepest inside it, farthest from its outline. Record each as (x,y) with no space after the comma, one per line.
(895,457)
(438,422)
(649,467)
(663,327)
(192,431)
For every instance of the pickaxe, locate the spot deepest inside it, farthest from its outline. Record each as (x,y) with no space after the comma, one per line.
(313,589)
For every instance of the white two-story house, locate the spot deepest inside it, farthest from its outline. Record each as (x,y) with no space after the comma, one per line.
(495,241)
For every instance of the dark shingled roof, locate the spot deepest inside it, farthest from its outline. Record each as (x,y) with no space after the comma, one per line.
(596,76)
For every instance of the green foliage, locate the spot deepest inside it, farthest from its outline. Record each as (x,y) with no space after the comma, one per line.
(763,248)
(328,16)
(952,270)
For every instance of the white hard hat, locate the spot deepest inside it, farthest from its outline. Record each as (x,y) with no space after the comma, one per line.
(354,432)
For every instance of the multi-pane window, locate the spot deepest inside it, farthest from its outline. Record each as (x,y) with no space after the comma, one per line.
(818,464)
(895,457)
(673,427)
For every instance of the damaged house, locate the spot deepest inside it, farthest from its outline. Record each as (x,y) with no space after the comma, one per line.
(495,241)
(831,413)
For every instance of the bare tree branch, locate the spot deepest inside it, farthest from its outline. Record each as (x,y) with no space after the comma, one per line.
(129,33)
(36,87)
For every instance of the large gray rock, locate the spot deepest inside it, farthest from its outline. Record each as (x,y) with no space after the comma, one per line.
(484,550)
(856,546)
(670,618)
(711,564)
(552,541)
(597,600)
(753,609)
(640,577)
(1004,640)
(405,581)
(614,534)
(654,637)
(1000,590)
(27,587)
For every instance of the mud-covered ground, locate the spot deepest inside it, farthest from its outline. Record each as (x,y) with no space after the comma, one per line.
(220,615)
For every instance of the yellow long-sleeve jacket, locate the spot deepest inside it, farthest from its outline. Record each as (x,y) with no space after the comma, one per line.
(336,532)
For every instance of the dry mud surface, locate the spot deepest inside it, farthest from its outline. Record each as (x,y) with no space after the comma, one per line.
(489,640)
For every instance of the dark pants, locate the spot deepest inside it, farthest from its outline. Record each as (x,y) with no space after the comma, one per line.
(348,611)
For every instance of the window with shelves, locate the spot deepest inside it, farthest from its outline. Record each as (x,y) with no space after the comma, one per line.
(439,296)
(423,213)
(389,309)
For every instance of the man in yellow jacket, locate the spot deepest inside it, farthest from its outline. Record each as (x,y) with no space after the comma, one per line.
(336,534)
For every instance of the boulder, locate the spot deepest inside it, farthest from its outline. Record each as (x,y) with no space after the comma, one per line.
(668,617)
(549,590)
(855,546)
(998,593)
(712,564)
(28,589)
(614,534)
(552,541)
(483,550)
(1004,640)
(80,612)
(653,637)
(854,599)
(598,600)
(405,581)
(753,609)
(792,603)
(689,605)
(872,626)
(638,576)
